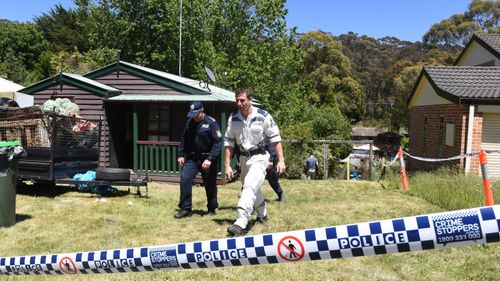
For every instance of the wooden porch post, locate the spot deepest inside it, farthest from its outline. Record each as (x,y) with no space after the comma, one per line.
(135,134)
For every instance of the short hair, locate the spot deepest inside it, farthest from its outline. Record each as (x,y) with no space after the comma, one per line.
(245,91)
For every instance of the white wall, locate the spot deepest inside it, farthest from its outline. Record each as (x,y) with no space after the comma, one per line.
(428,96)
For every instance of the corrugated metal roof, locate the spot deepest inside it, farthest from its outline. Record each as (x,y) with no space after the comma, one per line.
(169,97)
(467,82)
(214,94)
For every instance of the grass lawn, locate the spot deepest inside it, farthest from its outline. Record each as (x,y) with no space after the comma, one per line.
(70,221)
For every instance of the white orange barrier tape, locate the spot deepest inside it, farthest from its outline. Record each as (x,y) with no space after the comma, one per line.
(441,159)
(425,232)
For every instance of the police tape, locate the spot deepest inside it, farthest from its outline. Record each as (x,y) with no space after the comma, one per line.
(441,159)
(434,231)
(492,151)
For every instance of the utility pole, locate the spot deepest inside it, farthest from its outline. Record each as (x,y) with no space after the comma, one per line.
(180,38)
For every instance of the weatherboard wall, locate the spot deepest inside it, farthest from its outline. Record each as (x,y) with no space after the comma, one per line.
(127,82)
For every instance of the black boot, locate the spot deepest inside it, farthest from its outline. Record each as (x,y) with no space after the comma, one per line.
(182,214)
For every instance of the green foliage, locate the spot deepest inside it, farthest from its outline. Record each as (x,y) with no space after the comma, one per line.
(20,47)
(327,75)
(388,68)
(61,28)
(482,16)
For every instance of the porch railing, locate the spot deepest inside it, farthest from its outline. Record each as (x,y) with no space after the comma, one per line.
(157,158)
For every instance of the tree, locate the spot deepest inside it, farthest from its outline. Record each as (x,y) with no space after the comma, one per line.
(61,28)
(327,74)
(246,43)
(20,47)
(482,16)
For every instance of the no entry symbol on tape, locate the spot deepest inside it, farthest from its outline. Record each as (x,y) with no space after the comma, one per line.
(67,266)
(290,248)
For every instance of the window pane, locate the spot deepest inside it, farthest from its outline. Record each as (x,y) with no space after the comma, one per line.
(152,138)
(450,134)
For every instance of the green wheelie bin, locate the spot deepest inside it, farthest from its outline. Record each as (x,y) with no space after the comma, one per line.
(10,153)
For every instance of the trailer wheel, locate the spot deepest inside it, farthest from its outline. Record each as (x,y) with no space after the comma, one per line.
(112,174)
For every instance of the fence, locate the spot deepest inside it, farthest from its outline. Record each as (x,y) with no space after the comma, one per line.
(160,157)
(487,187)
(157,158)
(329,153)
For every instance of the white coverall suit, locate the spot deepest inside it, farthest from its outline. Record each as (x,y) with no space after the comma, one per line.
(248,134)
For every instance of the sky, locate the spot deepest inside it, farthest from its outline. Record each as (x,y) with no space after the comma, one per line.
(404,19)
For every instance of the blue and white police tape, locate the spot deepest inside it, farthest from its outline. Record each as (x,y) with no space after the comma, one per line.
(425,232)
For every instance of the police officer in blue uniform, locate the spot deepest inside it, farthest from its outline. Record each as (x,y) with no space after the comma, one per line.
(199,151)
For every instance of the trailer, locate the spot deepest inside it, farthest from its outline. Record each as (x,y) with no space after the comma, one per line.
(59,147)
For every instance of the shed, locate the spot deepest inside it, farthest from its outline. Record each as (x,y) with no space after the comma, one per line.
(144,112)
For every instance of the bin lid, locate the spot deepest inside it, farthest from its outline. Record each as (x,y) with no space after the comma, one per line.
(9,143)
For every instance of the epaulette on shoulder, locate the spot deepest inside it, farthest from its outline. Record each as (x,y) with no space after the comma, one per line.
(233,116)
(263,112)
(211,118)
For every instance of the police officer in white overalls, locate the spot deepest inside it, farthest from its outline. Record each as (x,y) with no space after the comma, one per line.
(249,128)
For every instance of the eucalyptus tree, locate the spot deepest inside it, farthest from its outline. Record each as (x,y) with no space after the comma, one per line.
(328,77)
(482,16)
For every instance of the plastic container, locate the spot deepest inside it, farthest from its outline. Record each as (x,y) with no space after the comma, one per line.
(10,153)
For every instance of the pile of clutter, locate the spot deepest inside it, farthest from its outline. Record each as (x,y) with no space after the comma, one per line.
(62,107)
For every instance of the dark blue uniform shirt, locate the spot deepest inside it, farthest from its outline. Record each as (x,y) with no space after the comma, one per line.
(201,138)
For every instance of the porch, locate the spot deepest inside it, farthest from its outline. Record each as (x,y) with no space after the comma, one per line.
(145,137)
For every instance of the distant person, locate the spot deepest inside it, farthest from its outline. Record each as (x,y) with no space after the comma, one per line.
(199,151)
(311,167)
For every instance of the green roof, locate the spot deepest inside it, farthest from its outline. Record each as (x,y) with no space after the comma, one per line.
(74,80)
(190,89)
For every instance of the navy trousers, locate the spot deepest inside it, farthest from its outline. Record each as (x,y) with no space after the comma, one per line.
(189,172)
(273,179)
